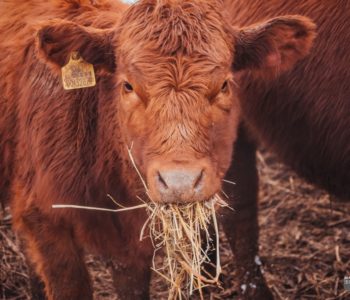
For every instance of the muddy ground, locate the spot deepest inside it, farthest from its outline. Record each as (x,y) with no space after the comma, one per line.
(304,245)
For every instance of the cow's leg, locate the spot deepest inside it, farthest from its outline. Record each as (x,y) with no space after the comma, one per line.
(132,279)
(37,287)
(241,226)
(132,269)
(57,258)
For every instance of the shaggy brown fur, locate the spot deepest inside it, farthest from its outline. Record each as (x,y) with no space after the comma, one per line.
(304,115)
(164,85)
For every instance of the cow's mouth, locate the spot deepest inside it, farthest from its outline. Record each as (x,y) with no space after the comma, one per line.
(181,229)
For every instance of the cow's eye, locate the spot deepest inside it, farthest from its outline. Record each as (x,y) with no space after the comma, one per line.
(224,86)
(128,87)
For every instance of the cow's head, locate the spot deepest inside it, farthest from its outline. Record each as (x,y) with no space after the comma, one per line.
(176,66)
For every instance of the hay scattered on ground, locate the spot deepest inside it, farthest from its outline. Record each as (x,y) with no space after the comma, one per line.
(13,271)
(304,246)
(304,238)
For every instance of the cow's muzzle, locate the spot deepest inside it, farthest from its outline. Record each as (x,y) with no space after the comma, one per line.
(182,181)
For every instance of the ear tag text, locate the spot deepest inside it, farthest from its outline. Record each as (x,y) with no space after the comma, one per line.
(77,73)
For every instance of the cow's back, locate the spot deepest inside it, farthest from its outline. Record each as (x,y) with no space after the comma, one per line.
(305,115)
(20,67)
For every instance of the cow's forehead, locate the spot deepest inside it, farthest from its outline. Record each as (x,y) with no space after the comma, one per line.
(170,27)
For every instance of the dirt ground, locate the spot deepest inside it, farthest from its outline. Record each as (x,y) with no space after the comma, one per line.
(304,245)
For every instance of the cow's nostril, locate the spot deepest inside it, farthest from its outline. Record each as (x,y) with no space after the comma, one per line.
(199,179)
(161,180)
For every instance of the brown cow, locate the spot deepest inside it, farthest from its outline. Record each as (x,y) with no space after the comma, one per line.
(165,85)
(304,115)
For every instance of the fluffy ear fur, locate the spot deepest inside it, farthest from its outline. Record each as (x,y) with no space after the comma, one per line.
(275,45)
(57,39)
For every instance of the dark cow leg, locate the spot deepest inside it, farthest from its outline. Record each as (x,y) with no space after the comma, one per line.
(241,226)
(132,276)
(57,258)
(37,287)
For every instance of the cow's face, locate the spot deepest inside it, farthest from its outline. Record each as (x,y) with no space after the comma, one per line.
(180,115)
(177,97)
(176,67)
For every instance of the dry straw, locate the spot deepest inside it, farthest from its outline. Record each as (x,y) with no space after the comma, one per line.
(182,232)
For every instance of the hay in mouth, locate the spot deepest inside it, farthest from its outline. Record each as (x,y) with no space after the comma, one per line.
(182,231)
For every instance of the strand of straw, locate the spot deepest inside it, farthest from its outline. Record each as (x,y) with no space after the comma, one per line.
(98,208)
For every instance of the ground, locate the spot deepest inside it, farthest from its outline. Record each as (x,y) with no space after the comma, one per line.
(304,245)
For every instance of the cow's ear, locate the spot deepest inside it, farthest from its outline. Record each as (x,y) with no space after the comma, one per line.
(273,46)
(58,39)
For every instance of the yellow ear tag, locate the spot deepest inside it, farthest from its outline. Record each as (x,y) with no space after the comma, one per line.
(77,73)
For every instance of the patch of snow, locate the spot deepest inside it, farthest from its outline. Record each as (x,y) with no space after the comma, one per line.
(243,288)
(252,285)
(257,260)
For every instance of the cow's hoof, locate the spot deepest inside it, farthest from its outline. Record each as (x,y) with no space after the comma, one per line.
(252,283)
(255,291)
